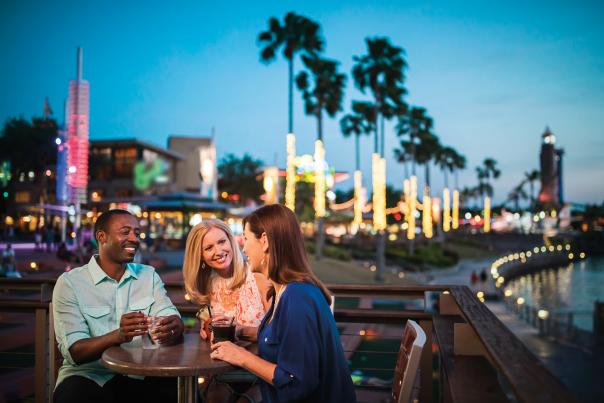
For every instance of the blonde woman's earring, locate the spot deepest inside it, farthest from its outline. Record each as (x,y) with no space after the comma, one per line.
(203,266)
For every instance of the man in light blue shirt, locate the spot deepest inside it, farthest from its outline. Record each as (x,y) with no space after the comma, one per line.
(103,304)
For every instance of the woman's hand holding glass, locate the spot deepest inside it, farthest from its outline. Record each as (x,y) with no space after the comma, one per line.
(229,352)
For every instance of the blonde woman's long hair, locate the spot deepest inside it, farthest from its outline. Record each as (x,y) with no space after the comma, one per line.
(197,278)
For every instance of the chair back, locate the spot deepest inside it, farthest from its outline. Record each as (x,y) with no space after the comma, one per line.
(55,359)
(405,386)
(333,303)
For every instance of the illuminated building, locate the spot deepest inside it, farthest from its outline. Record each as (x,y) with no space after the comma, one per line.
(197,170)
(128,169)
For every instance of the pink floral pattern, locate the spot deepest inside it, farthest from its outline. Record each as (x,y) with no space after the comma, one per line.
(244,303)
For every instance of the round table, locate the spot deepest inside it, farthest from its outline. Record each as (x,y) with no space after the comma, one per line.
(186,360)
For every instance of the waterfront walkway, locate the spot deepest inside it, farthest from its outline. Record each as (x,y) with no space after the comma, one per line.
(580,370)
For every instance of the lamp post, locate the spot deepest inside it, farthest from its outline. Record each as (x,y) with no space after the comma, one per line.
(446,210)
(290,178)
(455,218)
(319,197)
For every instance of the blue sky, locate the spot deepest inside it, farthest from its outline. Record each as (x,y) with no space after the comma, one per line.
(491,74)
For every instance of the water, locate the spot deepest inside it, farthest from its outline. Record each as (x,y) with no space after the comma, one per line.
(571,288)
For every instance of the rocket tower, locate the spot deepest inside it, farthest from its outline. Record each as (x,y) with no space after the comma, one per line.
(78,106)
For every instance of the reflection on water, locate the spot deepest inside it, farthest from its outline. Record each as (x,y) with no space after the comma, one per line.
(571,288)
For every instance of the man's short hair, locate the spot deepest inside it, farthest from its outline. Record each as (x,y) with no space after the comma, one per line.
(102,223)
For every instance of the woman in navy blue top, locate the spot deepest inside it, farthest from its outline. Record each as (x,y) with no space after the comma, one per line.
(300,355)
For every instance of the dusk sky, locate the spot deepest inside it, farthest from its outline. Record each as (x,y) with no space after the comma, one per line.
(491,75)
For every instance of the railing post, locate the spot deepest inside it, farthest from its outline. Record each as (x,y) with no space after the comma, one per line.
(599,322)
(569,325)
(426,363)
(41,355)
(45,292)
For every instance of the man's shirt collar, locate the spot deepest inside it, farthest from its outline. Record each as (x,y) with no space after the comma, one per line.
(98,274)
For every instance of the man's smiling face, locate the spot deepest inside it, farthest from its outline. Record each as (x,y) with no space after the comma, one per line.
(121,241)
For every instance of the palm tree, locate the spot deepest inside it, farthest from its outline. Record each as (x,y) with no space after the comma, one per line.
(445,159)
(297,34)
(459,163)
(412,126)
(360,122)
(531,177)
(467,194)
(425,153)
(327,90)
(516,194)
(404,155)
(381,71)
(322,90)
(485,173)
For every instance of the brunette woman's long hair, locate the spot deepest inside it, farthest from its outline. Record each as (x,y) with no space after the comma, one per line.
(287,261)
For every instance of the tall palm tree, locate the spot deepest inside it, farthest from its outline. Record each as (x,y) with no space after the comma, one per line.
(445,159)
(403,155)
(359,122)
(297,34)
(425,153)
(516,195)
(485,173)
(459,163)
(381,71)
(322,90)
(412,127)
(531,177)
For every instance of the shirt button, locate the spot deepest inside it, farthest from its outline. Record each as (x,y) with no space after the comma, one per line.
(266,339)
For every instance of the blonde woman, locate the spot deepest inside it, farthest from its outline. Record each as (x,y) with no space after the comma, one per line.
(216,275)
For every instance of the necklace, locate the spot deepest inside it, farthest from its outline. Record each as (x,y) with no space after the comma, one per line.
(277,299)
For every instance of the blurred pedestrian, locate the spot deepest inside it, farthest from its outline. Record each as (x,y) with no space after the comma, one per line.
(9,262)
(38,239)
(473,277)
(483,276)
(50,238)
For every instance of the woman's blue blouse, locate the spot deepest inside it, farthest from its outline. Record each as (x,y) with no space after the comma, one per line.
(303,341)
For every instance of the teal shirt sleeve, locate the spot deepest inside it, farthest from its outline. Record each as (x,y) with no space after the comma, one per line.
(163,305)
(69,322)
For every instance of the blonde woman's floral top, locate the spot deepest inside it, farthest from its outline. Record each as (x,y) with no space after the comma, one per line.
(244,303)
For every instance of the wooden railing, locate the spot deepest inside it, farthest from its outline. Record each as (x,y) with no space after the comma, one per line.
(477,358)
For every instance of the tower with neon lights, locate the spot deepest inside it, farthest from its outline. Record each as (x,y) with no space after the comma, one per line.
(77,136)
